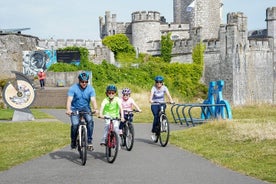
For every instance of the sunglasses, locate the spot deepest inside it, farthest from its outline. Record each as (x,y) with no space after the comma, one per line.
(125,94)
(158,82)
(111,93)
(84,82)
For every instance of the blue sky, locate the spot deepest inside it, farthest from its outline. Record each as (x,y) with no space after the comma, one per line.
(80,19)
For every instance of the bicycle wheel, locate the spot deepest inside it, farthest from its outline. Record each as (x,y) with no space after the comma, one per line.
(83,147)
(112,146)
(164,130)
(129,136)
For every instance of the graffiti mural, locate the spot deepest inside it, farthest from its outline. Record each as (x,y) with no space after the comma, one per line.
(34,61)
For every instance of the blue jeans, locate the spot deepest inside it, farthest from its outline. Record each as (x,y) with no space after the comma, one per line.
(89,124)
(155,108)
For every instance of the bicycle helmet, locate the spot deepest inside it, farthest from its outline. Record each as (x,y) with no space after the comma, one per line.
(159,78)
(126,91)
(83,76)
(111,87)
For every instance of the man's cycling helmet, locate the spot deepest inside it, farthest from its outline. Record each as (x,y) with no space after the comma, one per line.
(111,88)
(126,91)
(83,76)
(159,78)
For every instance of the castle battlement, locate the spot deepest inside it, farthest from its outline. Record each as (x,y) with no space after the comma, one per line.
(61,43)
(260,44)
(139,16)
(212,45)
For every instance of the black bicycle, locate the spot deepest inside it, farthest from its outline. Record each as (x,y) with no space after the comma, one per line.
(81,140)
(112,141)
(163,128)
(127,138)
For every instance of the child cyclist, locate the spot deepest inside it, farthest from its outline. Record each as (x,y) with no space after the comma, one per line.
(111,106)
(127,104)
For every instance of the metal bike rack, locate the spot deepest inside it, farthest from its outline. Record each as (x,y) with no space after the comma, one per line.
(210,109)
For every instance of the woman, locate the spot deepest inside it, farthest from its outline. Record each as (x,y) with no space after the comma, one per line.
(157,96)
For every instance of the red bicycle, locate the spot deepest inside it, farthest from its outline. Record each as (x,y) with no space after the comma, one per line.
(112,141)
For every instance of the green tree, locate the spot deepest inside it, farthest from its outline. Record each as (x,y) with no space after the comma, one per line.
(166,47)
(118,43)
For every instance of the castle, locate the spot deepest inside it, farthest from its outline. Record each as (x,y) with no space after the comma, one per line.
(246,62)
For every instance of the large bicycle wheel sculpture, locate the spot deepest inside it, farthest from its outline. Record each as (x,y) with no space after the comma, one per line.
(19,94)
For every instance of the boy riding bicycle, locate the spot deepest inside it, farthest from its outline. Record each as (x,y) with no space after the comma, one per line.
(111,106)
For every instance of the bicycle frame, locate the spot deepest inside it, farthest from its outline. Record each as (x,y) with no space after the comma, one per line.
(163,130)
(112,141)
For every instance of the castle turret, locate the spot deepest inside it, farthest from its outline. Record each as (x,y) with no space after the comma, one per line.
(199,13)
(180,15)
(145,29)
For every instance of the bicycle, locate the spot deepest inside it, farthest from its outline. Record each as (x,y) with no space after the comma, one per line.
(81,140)
(163,128)
(127,138)
(111,141)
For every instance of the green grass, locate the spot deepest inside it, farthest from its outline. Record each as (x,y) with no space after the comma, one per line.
(6,114)
(27,140)
(246,144)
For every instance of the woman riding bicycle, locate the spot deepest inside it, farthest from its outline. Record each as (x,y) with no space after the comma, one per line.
(79,97)
(157,94)
(111,106)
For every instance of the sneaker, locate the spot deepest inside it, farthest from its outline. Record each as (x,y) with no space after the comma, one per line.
(90,147)
(153,137)
(120,132)
(73,146)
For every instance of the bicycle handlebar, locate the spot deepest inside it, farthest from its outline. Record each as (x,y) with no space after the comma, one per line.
(130,112)
(162,103)
(110,118)
(83,112)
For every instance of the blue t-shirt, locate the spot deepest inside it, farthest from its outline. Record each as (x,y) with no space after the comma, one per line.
(81,97)
(159,94)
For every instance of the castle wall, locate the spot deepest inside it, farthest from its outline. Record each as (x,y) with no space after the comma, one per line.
(11,47)
(97,52)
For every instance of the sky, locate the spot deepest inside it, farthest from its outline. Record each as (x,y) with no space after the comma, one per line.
(79,19)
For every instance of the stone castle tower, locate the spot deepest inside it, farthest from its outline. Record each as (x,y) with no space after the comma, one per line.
(199,13)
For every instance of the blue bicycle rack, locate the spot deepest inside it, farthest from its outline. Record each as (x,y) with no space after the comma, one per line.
(214,107)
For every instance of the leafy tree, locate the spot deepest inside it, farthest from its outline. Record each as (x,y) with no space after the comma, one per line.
(166,47)
(118,43)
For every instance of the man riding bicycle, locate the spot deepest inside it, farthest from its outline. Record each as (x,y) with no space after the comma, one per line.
(79,97)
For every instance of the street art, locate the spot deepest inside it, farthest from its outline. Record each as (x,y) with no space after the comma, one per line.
(34,61)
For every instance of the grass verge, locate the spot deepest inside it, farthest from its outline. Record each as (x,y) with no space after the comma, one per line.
(27,140)
(246,144)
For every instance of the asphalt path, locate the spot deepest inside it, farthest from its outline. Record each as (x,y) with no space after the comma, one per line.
(147,162)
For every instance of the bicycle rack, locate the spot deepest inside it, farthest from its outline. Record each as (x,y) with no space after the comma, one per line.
(209,109)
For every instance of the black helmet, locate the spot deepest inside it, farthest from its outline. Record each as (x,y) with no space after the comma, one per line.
(111,87)
(84,76)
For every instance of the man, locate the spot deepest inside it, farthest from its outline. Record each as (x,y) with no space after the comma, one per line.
(79,97)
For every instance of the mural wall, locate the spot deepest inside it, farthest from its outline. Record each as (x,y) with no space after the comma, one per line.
(34,61)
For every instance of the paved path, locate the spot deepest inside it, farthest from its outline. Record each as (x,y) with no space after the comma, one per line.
(148,162)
